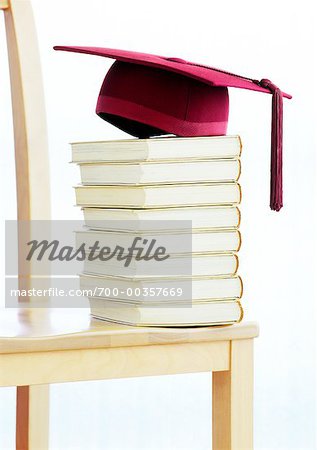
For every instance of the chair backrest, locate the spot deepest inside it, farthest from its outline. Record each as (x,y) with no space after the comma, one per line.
(29,119)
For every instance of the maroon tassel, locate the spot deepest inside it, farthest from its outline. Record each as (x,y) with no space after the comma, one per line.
(276,195)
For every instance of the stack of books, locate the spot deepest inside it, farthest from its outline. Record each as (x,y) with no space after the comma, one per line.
(179,195)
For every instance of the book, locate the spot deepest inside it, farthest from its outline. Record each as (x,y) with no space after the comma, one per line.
(204,194)
(175,241)
(163,148)
(175,195)
(199,313)
(160,172)
(202,217)
(207,264)
(125,288)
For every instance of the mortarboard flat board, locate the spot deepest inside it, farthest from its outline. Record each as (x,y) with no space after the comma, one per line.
(149,95)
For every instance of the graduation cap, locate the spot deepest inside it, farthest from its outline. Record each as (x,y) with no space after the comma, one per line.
(148,95)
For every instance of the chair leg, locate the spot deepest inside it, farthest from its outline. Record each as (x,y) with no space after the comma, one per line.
(32,416)
(232,427)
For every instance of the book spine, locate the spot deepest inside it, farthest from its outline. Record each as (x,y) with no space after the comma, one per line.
(241,312)
(241,146)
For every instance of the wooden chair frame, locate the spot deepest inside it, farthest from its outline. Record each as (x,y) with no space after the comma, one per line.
(32,174)
(100,350)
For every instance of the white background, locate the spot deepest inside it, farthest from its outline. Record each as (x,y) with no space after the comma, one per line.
(258,39)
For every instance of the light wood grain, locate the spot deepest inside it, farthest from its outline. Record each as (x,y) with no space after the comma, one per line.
(122,362)
(29,121)
(32,418)
(27,330)
(233,400)
(32,181)
(29,118)
(221,417)
(4,4)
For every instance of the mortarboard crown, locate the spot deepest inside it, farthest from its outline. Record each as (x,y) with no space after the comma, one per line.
(148,95)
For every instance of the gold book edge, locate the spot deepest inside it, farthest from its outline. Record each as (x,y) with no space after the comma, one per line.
(144,207)
(240,194)
(237,263)
(241,145)
(166,278)
(162,325)
(157,161)
(241,287)
(183,207)
(184,325)
(241,311)
(239,171)
(240,241)
(165,232)
(239,216)
(193,302)
(155,186)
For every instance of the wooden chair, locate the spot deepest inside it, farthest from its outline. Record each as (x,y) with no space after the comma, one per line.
(37,347)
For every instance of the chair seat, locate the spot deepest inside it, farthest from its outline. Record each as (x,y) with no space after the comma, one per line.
(25,330)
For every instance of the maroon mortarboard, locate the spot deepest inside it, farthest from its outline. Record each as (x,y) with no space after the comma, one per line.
(148,95)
